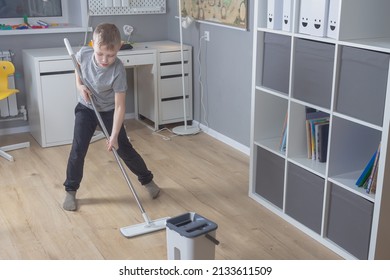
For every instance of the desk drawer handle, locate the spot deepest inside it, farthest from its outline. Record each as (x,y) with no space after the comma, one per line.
(57,73)
(173,98)
(173,63)
(173,76)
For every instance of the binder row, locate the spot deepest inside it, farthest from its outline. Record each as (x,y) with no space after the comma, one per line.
(316,17)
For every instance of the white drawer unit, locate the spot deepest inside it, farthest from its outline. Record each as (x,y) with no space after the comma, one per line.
(170,88)
(166,105)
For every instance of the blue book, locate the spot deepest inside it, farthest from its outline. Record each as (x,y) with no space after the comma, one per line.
(366,172)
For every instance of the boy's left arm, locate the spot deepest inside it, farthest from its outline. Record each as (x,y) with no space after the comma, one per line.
(119,116)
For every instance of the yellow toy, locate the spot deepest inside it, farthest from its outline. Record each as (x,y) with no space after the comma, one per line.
(6,69)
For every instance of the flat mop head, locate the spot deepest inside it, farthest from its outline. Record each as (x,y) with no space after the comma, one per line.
(135,230)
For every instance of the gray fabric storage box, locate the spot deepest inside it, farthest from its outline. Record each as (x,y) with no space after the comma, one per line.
(362,84)
(304,197)
(313,72)
(270,176)
(276,66)
(349,221)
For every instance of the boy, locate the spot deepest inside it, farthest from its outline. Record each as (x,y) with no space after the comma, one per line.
(102,69)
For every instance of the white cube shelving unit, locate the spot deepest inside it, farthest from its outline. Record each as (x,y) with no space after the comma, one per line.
(345,75)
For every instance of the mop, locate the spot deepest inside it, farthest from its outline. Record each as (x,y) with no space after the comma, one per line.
(134,230)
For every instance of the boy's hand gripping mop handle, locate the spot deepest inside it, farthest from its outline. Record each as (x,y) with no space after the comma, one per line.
(77,67)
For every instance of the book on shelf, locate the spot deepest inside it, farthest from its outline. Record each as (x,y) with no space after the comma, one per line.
(283,144)
(362,181)
(322,141)
(283,137)
(374,182)
(373,175)
(315,123)
(308,139)
(317,143)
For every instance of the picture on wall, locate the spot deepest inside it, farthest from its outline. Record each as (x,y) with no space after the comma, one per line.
(226,12)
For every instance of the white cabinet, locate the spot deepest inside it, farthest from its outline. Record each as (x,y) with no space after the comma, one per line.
(171,87)
(58,123)
(52,96)
(169,99)
(346,77)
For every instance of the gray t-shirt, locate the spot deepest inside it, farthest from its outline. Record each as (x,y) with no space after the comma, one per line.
(106,81)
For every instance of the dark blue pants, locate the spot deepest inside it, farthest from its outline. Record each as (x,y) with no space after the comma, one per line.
(85,126)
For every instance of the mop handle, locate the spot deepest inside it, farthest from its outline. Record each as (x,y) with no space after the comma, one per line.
(106,134)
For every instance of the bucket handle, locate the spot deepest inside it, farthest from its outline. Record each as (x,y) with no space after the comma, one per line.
(212,239)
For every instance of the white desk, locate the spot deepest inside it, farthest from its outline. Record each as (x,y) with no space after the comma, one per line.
(49,80)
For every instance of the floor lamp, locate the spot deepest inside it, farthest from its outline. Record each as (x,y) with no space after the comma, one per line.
(184,129)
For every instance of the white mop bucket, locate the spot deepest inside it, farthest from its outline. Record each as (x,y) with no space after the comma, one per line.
(191,237)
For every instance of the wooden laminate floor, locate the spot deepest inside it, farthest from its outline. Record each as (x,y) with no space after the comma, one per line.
(197,174)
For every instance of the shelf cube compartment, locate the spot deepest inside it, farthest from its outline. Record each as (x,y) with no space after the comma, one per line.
(269,176)
(351,147)
(276,62)
(304,197)
(362,85)
(313,72)
(304,149)
(349,221)
(270,120)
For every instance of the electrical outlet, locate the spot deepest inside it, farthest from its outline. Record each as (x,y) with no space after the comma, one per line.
(207,35)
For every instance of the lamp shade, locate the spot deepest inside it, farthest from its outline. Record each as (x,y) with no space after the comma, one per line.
(187,21)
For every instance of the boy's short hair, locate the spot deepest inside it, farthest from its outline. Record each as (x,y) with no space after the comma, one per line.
(107,34)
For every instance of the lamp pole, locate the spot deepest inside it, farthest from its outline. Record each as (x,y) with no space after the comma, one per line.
(184,129)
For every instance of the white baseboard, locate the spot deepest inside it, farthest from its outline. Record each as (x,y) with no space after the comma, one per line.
(234,144)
